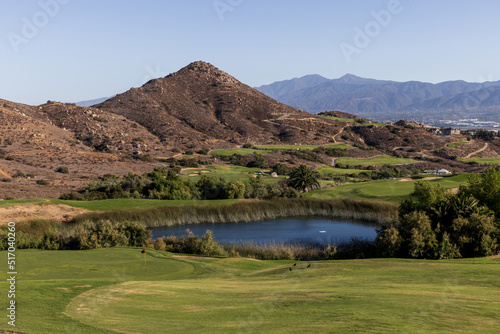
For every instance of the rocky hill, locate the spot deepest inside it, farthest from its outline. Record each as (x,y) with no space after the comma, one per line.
(205,106)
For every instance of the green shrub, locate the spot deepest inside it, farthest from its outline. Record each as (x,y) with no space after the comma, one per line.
(160,245)
(103,234)
(210,247)
(63,170)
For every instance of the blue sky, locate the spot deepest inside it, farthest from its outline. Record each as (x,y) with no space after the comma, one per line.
(73,50)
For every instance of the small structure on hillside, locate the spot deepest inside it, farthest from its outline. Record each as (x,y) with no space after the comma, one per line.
(450,131)
(437,172)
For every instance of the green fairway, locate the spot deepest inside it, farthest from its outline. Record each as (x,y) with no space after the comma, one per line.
(483,161)
(383,190)
(270,148)
(23,201)
(457,144)
(302,147)
(228,172)
(132,203)
(339,171)
(112,291)
(376,161)
(240,151)
(352,120)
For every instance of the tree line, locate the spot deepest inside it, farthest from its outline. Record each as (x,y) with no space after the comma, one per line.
(166,184)
(434,223)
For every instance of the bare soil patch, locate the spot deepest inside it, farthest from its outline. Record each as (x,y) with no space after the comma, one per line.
(17,213)
(193,257)
(424,179)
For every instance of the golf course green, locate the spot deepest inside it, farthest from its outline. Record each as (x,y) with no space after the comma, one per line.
(121,291)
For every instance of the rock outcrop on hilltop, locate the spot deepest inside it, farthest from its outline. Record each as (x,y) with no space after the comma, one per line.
(203,104)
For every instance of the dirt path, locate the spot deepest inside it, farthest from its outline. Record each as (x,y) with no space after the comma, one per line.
(59,212)
(5,174)
(338,134)
(478,151)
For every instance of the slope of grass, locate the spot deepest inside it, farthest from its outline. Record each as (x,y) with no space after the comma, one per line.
(352,120)
(135,204)
(270,148)
(112,291)
(23,201)
(457,144)
(392,191)
(302,147)
(240,151)
(339,171)
(228,172)
(483,161)
(376,161)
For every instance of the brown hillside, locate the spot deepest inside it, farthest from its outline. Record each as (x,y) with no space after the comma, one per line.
(102,131)
(33,147)
(202,104)
(199,107)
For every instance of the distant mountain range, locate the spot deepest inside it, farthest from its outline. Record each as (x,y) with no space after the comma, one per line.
(90,103)
(379,99)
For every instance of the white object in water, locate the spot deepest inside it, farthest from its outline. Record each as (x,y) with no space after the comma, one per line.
(322,231)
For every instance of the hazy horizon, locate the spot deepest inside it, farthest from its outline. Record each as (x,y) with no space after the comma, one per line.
(67,50)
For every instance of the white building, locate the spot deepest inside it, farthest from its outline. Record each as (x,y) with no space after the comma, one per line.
(437,172)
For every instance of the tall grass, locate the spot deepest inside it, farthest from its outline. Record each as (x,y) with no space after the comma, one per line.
(247,211)
(51,235)
(208,246)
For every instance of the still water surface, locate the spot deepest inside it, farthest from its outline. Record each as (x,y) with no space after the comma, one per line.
(286,230)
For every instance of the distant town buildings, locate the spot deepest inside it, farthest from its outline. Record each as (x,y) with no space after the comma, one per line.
(450,131)
(445,131)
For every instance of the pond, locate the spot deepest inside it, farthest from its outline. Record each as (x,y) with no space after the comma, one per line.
(319,231)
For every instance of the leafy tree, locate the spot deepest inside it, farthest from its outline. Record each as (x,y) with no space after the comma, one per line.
(425,197)
(389,242)
(168,187)
(210,247)
(437,224)
(304,178)
(280,169)
(218,188)
(475,235)
(486,188)
(256,188)
(418,236)
(258,162)
(484,135)
(211,187)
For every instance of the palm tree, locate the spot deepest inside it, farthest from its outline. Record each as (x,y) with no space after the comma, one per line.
(304,178)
